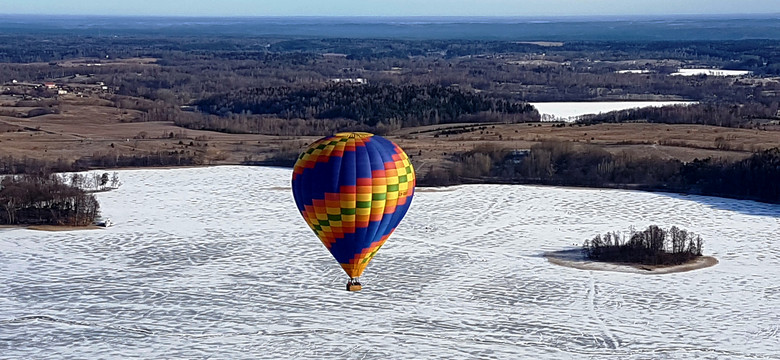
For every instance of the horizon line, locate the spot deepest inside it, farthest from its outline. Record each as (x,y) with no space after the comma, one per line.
(751,14)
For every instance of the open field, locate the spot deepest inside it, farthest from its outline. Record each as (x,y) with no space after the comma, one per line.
(90,127)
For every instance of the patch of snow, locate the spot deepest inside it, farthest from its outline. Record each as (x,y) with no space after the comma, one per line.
(634,71)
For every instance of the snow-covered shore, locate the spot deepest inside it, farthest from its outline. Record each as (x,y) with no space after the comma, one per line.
(574,258)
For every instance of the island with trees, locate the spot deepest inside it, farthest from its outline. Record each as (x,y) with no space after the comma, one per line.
(651,251)
(46,200)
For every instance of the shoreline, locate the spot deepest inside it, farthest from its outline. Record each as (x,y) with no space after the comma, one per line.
(611,186)
(481,181)
(52,227)
(575,258)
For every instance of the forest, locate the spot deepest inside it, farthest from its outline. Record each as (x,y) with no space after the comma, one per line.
(406,105)
(570,164)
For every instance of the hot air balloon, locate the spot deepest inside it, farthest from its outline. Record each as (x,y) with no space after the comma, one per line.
(353,189)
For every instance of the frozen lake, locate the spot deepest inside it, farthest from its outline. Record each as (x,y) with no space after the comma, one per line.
(571,110)
(711,72)
(217,263)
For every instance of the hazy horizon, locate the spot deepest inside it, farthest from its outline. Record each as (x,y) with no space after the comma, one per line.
(648,16)
(402,8)
(514,28)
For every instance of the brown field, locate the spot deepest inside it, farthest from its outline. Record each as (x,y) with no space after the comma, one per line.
(88,128)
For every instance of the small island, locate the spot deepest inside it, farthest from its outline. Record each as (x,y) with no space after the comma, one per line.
(651,251)
(46,201)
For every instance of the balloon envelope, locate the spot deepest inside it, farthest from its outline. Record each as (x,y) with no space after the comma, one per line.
(353,189)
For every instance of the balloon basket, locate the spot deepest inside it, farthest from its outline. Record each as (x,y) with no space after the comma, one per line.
(354,285)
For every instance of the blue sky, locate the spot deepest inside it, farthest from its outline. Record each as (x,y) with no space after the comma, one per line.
(388,8)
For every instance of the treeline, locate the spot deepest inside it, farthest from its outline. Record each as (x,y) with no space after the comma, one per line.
(157,158)
(744,115)
(757,177)
(45,199)
(27,165)
(761,56)
(408,105)
(569,164)
(271,125)
(653,246)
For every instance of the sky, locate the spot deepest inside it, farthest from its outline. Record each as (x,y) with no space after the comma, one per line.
(388,7)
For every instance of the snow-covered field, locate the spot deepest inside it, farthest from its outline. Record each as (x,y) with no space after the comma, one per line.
(571,110)
(217,263)
(710,72)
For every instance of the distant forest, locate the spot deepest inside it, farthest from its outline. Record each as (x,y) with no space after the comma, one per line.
(249,83)
(406,105)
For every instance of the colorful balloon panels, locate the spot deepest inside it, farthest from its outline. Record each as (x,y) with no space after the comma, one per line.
(353,189)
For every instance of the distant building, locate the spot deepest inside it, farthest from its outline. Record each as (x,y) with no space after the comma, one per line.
(62,92)
(50,85)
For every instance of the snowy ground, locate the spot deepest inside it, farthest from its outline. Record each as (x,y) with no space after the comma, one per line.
(217,263)
(571,110)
